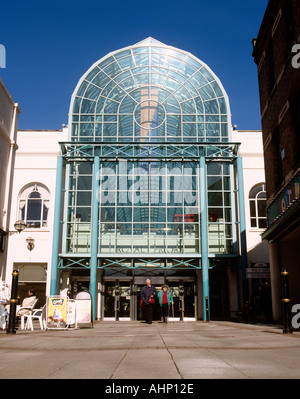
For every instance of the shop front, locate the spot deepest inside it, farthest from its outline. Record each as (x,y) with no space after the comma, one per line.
(149,183)
(121,298)
(283,235)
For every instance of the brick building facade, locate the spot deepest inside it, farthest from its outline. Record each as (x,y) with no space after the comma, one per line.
(275,51)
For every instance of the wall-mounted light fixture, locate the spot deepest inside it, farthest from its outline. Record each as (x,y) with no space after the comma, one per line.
(19,226)
(30,243)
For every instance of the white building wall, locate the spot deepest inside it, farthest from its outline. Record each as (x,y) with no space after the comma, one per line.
(36,162)
(251,150)
(9,115)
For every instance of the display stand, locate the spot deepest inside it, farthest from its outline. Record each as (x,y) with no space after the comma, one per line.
(84,310)
(56,313)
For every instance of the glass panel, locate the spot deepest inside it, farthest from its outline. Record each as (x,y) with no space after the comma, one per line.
(80,214)
(84,183)
(124,214)
(262,223)
(141,214)
(262,195)
(92,92)
(261,207)
(84,198)
(87,106)
(227,199)
(211,107)
(255,190)
(157,214)
(214,183)
(34,208)
(214,168)
(215,214)
(107,214)
(215,199)
(252,209)
(32,273)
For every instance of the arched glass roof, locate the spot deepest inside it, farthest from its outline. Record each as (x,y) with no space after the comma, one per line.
(149,92)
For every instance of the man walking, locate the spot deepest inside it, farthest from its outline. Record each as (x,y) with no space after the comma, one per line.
(148,295)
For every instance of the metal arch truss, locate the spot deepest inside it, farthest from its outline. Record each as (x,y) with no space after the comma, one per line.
(131,263)
(149,150)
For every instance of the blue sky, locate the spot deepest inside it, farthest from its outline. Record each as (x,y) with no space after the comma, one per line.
(50,44)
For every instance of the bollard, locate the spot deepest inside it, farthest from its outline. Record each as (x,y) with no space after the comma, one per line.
(13,303)
(286,302)
(207,308)
(181,301)
(117,302)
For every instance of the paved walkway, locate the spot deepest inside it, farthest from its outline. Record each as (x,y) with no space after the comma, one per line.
(135,350)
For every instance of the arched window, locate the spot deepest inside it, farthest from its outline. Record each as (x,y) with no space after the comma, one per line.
(257,201)
(34,205)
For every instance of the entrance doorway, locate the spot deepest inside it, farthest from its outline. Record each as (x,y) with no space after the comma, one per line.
(117,300)
(184,296)
(121,298)
(218,294)
(139,311)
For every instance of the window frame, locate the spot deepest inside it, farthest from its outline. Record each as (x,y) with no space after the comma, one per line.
(254,199)
(24,200)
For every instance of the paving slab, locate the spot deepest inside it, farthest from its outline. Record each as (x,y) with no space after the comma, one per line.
(133,350)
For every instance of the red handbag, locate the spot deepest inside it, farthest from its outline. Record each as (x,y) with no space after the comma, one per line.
(151,300)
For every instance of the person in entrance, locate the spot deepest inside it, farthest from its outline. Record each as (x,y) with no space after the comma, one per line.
(148,295)
(165,299)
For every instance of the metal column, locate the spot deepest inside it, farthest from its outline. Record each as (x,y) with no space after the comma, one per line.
(204,240)
(94,235)
(56,226)
(242,218)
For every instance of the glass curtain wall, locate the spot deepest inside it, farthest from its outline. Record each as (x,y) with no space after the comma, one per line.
(149,93)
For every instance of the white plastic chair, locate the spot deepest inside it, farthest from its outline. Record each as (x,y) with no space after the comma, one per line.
(2,317)
(30,310)
(38,314)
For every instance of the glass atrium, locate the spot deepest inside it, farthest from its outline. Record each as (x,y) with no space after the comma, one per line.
(140,121)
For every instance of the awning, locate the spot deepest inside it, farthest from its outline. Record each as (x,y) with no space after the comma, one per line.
(284,223)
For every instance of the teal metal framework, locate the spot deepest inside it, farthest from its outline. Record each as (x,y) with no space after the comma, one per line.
(56,226)
(150,102)
(94,240)
(204,236)
(150,150)
(203,152)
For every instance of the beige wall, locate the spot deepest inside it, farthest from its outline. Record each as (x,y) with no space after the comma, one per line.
(9,114)
(36,162)
(251,150)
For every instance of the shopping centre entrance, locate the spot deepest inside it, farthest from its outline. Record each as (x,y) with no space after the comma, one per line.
(121,298)
(119,293)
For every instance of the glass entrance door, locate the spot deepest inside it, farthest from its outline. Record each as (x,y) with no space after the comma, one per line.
(124,300)
(183,293)
(117,295)
(109,299)
(121,299)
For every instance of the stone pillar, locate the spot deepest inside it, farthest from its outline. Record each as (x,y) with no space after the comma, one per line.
(275,269)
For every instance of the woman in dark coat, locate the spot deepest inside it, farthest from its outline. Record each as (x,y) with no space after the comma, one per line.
(148,295)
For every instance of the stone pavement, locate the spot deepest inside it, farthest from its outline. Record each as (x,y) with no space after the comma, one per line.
(135,350)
